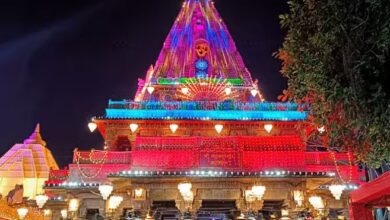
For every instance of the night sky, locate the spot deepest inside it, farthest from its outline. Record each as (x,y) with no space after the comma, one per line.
(60,61)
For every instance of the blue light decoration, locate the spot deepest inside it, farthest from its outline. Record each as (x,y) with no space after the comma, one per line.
(205,115)
(201,74)
(201,64)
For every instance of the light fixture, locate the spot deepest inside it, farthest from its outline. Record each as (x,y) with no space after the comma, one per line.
(268,127)
(336,190)
(73,205)
(92,126)
(105,190)
(173,127)
(133,127)
(298,197)
(185,90)
(258,191)
(150,89)
(249,197)
(188,196)
(184,187)
(114,202)
(64,214)
(228,90)
(254,92)
(285,214)
(321,129)
(218,128)
(22,212)
(41,200)
(317,202)
(138,192)
(47,212)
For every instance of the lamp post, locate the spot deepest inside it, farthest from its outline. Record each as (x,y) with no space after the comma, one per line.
(105,191)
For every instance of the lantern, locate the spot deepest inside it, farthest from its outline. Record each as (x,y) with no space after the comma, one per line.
(173,127)
(336,190)
(317,202)
(298,197)
(184,187)
(268,127)
(133,127)
(254,92)
(64,214)
(185,90)
(41,200)
(105,191)
(114,202)
(258,191)
(92,126)
(218,128)
(73,205)
(138,192)
(22,212)
(150,89)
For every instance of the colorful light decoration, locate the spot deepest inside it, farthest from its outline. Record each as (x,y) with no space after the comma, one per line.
(185,90)
(92,126)
(268,127)
(114,202)
(185,191)
(73,205)
(254,92)
(298,197)
(173,127)
(41,200)
(22,212)
(133,127)
(317,202)
(321,129)
(218,128)
(228,90)
(150,89)
(105,190)
(64,214)
(249,197)
(258,191)
(337,190)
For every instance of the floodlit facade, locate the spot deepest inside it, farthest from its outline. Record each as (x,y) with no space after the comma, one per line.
(199,141)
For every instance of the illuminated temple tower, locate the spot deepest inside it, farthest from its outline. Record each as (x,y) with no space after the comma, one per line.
(199,137)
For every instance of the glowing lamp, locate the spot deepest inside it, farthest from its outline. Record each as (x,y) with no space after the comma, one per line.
(298,197)
(218,128)
(321,129)
(105,191)
(92,126)
(138,192)
(249,197)
(22,212)
(114,202)
(268,127)
(41,200)
(150,89)
(254,92)
(185,90)
(184,187)
(64,214)
(73,205)
(228,91)
(317,202)
(47,212)
(133,127)
(258,191)
(188,196)
(336,190)
(173,127)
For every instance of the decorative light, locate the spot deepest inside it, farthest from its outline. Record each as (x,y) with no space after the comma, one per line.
(268,127)
(92,126)
(336,190)
(41,200)
(321,129)
(258,191)
(317,202)
(22,212)
(218,128)
(188,196)
(228,90)
(105,190)
(133,127)
(173,127)
(249,197)
(138,192)
(184,187)
(254,92)
(47,212)
(114,202)
(185,90)
(73,205)
(150,89)
(298,197)
(64,214)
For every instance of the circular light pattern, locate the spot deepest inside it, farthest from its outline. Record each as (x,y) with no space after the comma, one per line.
(201,74)
(201,64)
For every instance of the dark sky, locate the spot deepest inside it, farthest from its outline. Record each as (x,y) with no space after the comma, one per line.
(60,61)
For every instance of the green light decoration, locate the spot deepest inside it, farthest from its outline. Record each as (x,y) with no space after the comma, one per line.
(175,81)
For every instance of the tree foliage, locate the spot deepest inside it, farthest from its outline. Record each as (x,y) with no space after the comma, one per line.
(336,57)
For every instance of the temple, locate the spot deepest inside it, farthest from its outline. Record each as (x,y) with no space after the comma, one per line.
(199,141)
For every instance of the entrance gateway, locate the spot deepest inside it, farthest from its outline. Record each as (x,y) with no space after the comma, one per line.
(198,140)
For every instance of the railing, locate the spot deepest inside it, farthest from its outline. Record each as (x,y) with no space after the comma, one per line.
(59,175)
(101,157)
(206,105)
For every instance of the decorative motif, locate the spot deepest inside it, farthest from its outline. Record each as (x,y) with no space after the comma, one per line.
(202,48)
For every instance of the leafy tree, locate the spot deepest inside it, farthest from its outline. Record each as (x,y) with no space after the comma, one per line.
(336,57)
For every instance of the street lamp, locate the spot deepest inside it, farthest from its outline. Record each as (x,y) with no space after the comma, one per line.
(22,212)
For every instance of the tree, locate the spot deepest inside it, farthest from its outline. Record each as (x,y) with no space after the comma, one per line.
(336,58)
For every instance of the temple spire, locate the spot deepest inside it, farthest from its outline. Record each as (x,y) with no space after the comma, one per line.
(35,137)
